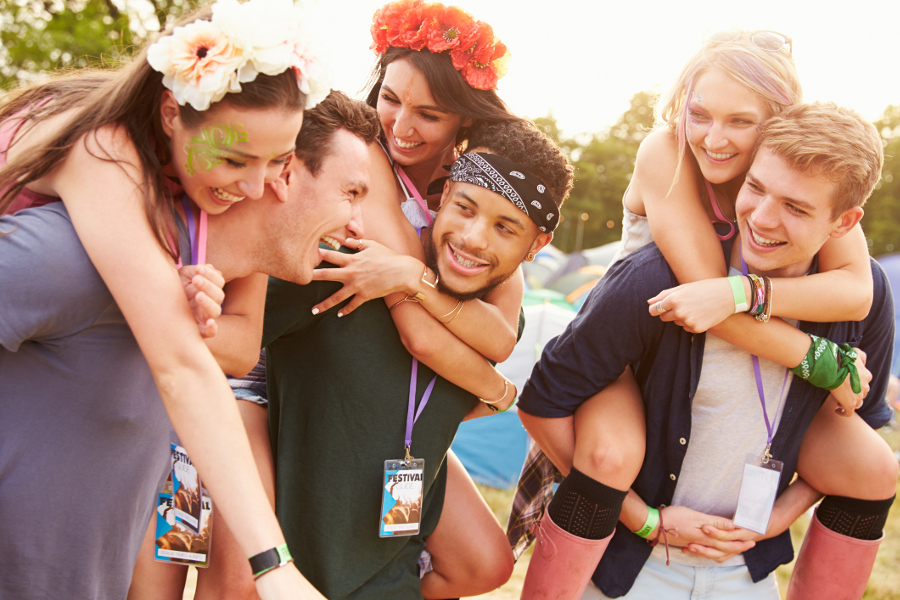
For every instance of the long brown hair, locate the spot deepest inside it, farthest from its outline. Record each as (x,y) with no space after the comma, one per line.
(128,97)
(447,87)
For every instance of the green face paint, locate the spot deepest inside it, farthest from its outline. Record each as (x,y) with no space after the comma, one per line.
(204,151)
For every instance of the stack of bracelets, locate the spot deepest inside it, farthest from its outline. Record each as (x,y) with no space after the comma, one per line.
(761,307)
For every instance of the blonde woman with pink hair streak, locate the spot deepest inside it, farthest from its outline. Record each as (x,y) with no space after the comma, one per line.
(687,175)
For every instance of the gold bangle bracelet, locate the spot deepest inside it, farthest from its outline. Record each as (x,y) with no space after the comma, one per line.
(408,298)
(456,315)
(505,392)
(455,308)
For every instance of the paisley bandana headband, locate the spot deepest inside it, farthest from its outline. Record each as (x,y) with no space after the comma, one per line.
(501,176)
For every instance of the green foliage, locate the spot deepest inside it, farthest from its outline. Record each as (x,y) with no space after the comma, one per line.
(603,166)
(41,37)
(882,219)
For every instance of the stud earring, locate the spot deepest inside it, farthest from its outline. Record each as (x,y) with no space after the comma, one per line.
(529,257)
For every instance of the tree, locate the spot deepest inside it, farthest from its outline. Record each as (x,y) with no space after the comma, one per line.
(603,167)
(43,36)
(882,219)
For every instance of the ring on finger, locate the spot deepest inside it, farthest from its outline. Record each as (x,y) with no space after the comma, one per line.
(659,308)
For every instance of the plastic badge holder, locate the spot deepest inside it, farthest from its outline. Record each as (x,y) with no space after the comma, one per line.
(183,515)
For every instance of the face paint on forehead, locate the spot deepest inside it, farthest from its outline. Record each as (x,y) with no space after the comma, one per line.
(204,150)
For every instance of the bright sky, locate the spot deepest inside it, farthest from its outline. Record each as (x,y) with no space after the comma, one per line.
(583,60)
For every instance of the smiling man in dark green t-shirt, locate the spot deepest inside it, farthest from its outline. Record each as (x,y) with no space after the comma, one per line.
(339,388)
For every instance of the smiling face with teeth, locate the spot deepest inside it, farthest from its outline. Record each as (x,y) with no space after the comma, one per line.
(419,132)
(323,207)
(478,241)
(785,216)
(721,126)
(232,154)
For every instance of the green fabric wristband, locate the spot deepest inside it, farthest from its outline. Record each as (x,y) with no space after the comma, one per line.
(827,364)
(650,525)
(740,296)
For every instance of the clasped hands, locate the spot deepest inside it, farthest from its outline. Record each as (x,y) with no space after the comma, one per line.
(705,536)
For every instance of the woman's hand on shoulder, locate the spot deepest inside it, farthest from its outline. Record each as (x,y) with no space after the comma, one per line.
(203,287)
(374,272)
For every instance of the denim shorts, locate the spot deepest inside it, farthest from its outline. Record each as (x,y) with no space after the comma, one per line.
(250,396)
(680,582)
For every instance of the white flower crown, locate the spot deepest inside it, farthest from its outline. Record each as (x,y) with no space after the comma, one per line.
(204,60)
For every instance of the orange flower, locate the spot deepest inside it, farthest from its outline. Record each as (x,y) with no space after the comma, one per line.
(474,50)
(388,22)
(448,28)
(480,76)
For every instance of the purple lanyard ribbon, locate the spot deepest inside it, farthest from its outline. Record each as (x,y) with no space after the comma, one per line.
(412,415)
(770,428)
(198,254)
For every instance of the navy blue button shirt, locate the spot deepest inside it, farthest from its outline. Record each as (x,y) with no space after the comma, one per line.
(614,329)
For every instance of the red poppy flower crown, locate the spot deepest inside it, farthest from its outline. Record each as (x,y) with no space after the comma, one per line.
(476,53)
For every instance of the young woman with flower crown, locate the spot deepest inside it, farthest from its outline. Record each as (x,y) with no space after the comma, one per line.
(209,113)
(433,84)
(687,175)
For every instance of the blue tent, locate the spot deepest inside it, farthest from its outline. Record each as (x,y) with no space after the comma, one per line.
(493,448)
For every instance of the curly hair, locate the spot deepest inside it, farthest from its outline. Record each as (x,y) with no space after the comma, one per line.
(523,143)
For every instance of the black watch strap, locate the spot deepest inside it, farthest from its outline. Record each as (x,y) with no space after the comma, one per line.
(270,559)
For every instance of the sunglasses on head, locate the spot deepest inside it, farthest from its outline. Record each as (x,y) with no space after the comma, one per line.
(771,41)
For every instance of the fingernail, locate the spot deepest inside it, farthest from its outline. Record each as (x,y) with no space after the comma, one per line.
(340,315)
(315,311)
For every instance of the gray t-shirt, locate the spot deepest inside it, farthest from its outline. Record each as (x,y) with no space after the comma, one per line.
(83,433)
(727,424)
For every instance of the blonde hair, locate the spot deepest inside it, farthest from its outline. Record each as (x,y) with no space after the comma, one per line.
(827,139)
(770,75)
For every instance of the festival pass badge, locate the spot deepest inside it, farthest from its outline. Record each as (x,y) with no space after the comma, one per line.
(183,515)
(759,488)
(401,505)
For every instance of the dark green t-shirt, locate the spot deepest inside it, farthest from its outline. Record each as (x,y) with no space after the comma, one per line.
(338,396)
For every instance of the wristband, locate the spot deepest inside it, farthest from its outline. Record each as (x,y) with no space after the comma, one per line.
(740,296)
(272,558)
(826,365)
(650,524)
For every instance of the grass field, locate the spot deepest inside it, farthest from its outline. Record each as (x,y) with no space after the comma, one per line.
(884,583)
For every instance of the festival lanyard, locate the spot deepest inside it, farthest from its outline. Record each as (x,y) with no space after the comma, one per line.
(412,415)
(770,426)
(412,189)
(198,247)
